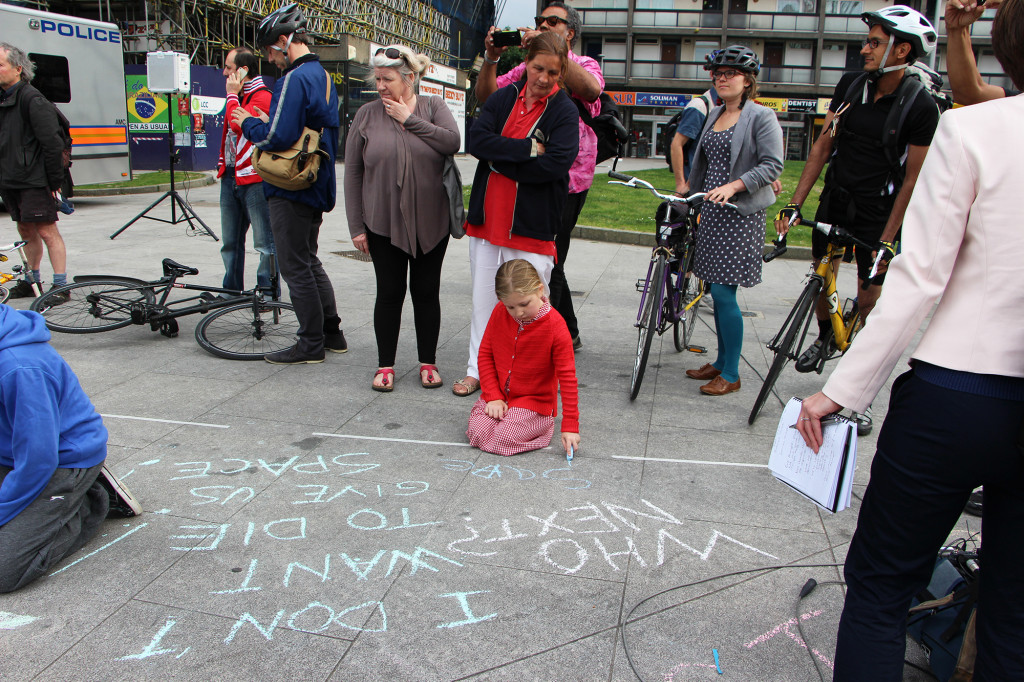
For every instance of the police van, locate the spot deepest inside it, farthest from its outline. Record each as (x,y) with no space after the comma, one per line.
(80,68)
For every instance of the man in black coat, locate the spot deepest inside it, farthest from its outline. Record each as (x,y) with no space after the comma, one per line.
(31,166)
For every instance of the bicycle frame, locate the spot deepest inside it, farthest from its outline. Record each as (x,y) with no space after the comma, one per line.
(162,309)
(841,330)
(6,277)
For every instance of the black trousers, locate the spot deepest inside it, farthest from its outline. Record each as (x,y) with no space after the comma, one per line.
(296,229)
(390,265)
(935,447)
(561,297)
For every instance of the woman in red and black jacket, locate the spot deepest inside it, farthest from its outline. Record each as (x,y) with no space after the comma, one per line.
(526,138)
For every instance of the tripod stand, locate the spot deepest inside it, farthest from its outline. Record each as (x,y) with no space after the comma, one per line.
(188,214)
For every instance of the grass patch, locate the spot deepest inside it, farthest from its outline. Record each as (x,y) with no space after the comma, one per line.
(617,207)
(145,179)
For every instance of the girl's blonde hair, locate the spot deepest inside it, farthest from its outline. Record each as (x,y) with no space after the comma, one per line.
(516,277)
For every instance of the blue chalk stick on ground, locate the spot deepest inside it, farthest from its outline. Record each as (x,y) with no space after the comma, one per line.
(717,665)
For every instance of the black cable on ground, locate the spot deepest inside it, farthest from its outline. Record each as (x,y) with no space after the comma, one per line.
(626,621)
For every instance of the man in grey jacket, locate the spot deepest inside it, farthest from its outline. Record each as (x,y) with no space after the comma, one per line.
(31,167)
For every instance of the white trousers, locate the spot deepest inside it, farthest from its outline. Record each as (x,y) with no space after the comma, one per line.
(484,260)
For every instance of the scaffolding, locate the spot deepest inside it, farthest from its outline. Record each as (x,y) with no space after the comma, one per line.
(206,29)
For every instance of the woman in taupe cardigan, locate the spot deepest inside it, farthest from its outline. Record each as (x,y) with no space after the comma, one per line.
(396,206)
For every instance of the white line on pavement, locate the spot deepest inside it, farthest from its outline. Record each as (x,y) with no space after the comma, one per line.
(400,440)
(692,461)
(164,421)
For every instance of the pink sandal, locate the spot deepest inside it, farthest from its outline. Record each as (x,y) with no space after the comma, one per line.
(433,379)
(388,383)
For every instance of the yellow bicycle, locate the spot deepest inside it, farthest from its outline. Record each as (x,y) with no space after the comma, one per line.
(16,270)
(787,344)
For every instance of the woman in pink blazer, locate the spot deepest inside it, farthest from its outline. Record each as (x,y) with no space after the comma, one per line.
(955,417)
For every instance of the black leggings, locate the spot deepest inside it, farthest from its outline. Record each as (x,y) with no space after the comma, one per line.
(389,265)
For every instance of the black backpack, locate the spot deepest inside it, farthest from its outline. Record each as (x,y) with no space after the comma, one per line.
(669,129)
(608,126)
(917,80)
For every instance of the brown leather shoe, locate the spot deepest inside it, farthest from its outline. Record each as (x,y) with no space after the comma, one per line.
(719,386)
(704,373)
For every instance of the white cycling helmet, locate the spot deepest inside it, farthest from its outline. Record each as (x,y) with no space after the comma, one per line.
(906,24)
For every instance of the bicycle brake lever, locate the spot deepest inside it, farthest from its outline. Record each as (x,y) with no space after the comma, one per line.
(780,248)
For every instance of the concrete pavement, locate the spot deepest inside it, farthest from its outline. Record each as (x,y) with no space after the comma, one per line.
(299,525)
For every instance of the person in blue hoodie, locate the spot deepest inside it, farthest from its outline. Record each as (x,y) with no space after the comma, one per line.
(54,489)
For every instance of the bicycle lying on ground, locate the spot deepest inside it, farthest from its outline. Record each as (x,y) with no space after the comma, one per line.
(238,325)
(671,294)
(16,270)
(787,344)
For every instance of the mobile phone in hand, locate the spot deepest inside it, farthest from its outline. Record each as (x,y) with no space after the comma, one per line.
(507,38)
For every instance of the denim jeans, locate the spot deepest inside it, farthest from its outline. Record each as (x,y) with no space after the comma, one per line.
(241,206)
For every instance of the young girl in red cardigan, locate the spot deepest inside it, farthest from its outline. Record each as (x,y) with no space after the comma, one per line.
(526,358)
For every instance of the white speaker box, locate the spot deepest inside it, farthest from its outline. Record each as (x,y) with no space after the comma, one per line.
(167,72)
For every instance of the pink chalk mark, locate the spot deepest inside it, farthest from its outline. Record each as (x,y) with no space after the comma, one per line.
(785,627)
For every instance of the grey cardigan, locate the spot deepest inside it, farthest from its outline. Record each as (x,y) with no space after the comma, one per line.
(756,156)
(393,174)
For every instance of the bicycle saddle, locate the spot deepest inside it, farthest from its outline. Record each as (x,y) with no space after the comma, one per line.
(177,269)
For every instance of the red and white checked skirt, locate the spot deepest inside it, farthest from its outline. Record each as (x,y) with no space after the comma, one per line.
(519,431)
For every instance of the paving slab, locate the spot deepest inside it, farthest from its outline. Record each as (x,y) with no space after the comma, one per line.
(298,524)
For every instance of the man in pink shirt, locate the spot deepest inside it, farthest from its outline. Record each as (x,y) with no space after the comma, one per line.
(584,82)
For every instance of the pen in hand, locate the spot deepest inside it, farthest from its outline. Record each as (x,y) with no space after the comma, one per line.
(826,420)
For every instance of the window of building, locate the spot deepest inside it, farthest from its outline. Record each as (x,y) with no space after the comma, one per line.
(843,6)
(52,78)
(654,4)
(796,7)
(702,48)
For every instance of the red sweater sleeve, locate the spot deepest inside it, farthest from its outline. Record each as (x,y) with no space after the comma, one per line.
(490,388)
(565,370)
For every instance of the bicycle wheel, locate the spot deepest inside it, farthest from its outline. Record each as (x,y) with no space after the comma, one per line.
(4,294)
(95,306)
(248,332)
(797,322)
(648,322)
(692,288)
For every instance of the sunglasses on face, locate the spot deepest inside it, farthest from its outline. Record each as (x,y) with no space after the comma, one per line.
(551,20)
(391,53)
(874,43)
(725,74)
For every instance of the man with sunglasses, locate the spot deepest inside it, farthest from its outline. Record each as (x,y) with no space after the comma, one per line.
(863,192)
(304,97)
(584,81)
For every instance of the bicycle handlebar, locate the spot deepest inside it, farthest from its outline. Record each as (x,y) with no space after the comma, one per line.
(780,248)
(630,181)
(837,234)
(11,247)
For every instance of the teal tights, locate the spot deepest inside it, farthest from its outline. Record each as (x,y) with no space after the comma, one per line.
(729,327)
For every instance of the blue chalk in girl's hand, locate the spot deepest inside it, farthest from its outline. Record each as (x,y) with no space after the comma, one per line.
(568,455)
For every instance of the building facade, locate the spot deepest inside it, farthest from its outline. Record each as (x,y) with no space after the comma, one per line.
(652,53)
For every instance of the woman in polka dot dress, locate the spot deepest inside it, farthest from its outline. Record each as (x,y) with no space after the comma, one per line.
(738,156)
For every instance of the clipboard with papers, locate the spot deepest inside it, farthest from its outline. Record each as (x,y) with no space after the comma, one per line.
(825,477)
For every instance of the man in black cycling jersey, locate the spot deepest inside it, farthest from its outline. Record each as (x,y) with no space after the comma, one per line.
(863,190)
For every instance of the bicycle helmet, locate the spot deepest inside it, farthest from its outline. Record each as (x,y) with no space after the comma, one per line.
(906,24)
(737,56)
(286,20)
